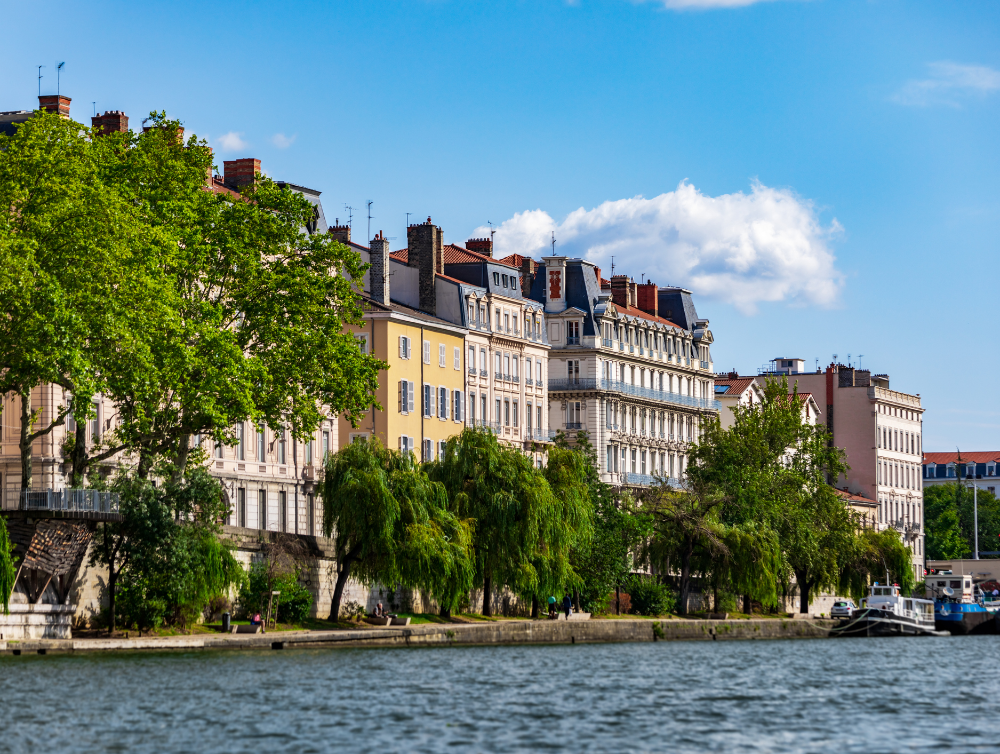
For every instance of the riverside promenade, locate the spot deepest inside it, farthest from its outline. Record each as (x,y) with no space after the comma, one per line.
(487,633)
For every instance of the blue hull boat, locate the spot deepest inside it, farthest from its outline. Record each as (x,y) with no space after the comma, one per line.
(965,618)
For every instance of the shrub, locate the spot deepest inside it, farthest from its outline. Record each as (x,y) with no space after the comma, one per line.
(626,603)
(650,597)
(293,604)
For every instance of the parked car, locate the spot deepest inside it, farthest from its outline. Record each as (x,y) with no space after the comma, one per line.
(843,609)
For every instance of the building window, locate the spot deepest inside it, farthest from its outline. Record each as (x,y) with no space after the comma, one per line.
(506,323)
(515,413)
(281,448)
(218,449)
(499,369)
(283,510)
(506,412)
(326,446)
(527,417)
(428,451)
(633,460)
(573,333)
(538,371)
(309,452)
(472,407)
(362,341)
(496,317)
(497,417)
(428,400)
(514,370)
(262,509)
(504,278)
(483,363)
(573,412)
(483,416)
(496,278)
(240,449)
(442,403)
(573,371)
(456,406)
(404,347)
(506,366)
(538,410)
(472,358)
(241,507)
(611,458)
(442,448)
(442,354)
(457,357)
(642,459)
(261,449)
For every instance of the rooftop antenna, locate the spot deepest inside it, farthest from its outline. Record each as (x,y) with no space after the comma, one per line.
(817,363)
(612,265)
(492,231)
(350,215)
(642,278)
(40,80)
(369,220)
(553,243)
(849,360)
(408,219)
(58,71)
(835,358)
(860,357)
(95,108)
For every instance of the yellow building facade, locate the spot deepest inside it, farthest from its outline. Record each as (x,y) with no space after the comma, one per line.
(422,392)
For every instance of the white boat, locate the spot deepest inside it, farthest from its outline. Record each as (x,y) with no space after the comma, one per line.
(886,612)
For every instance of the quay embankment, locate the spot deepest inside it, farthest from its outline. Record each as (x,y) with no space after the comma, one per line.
(486,633)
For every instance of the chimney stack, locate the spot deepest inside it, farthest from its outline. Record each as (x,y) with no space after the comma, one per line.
(620,292)
(647,298)
(378,273)
(528,267)
(482,246)
(340,232)
(426,253)
(239,173)
(113,121)
(54,103)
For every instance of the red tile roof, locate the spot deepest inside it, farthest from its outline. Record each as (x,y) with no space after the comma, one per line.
(515,260)
(631,311)
(851,498)
(736,387)
(452,255)
(970,456)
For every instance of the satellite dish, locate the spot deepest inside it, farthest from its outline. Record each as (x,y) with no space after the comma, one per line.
(948,591)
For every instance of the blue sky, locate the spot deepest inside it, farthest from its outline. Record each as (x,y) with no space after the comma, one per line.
(824,173)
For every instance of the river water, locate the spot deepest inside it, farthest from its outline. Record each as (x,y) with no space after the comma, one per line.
(840,695)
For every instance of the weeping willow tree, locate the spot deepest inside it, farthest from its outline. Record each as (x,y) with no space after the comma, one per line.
(520,541)
(391,524)
(7,571)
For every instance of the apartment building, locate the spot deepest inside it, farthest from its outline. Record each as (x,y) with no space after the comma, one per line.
(980,467)
(630,364)
(466,293)
(880,430)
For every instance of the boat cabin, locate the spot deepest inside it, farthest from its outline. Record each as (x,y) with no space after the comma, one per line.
(961,587)
(887,598)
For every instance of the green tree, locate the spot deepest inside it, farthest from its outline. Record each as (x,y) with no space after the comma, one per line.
(8,574)
(516,515)
(251,323)
(392,524)
(877,555)
(67,251)
(949,520)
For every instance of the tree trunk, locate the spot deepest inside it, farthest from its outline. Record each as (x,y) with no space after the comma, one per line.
(445,612)
(24,443)
(180,460)
(342,576)
(487,602)
(112,589)
(715,598)
(804,590)
(618,599)
(145,464)
(685,586)
(747,604)
(576,600)
(79,457)
(534,607)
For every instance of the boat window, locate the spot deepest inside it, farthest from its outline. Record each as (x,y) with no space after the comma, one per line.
(955,585)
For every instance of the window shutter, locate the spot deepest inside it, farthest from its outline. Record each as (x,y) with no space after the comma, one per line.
(442,351)
(458,358)
(401,347)
(427,399)
(401,406)
(427,352)
(411,397)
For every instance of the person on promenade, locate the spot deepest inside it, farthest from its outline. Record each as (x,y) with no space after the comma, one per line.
(567,604)
(552,607)
(255,620)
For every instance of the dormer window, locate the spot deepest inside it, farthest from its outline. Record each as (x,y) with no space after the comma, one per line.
(504,281)
(496,278)
(951,470)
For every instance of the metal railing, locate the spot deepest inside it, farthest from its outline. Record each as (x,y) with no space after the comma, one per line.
(649,480)
(607,342)
(498,375)
(472,370)
(704,365)
(76,501)
(617,386)
(484,372)
(486,424)
(572,340)
(540,434)
(574,425)
(528,381)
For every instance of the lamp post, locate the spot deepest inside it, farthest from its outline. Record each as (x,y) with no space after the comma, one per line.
(975,522)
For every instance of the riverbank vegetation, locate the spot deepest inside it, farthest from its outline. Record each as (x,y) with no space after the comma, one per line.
(950,520)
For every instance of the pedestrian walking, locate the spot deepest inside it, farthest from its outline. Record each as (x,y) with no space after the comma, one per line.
(567,605)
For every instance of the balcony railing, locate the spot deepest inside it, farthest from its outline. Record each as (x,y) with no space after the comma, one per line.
(607,342)
(515,378)
(542,435)
(484,373)
(489,426)
(498,375)
(528,381)
(472,371)
(572,340)
(648,480)
(704,365)
(616,386)
(574,425)
(75,501)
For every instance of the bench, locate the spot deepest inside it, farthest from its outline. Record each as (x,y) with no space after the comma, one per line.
(572,616)
(372,621)
(241,629)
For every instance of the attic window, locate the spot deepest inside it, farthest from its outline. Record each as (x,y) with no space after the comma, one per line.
(504,281)
(496,278)
(719,389)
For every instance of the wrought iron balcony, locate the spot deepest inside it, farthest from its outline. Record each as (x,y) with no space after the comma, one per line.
(574,425)
(572,340)
(649,480)
(528,381)
(636,391)
(498,375)
(489,426)
(484,373)
(472,370)
(607,342)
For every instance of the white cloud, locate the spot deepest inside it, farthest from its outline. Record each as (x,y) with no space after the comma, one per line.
(232,142)
(704,4)
(767,245)
(283,142)
(948,83)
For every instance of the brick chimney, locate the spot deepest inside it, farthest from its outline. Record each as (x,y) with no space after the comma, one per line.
(378,274)
(113,121)
(647,298)
(620,290)
(426,253)
(340,232)
(528,267)
(239,173)
(54,103)
(482,246)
